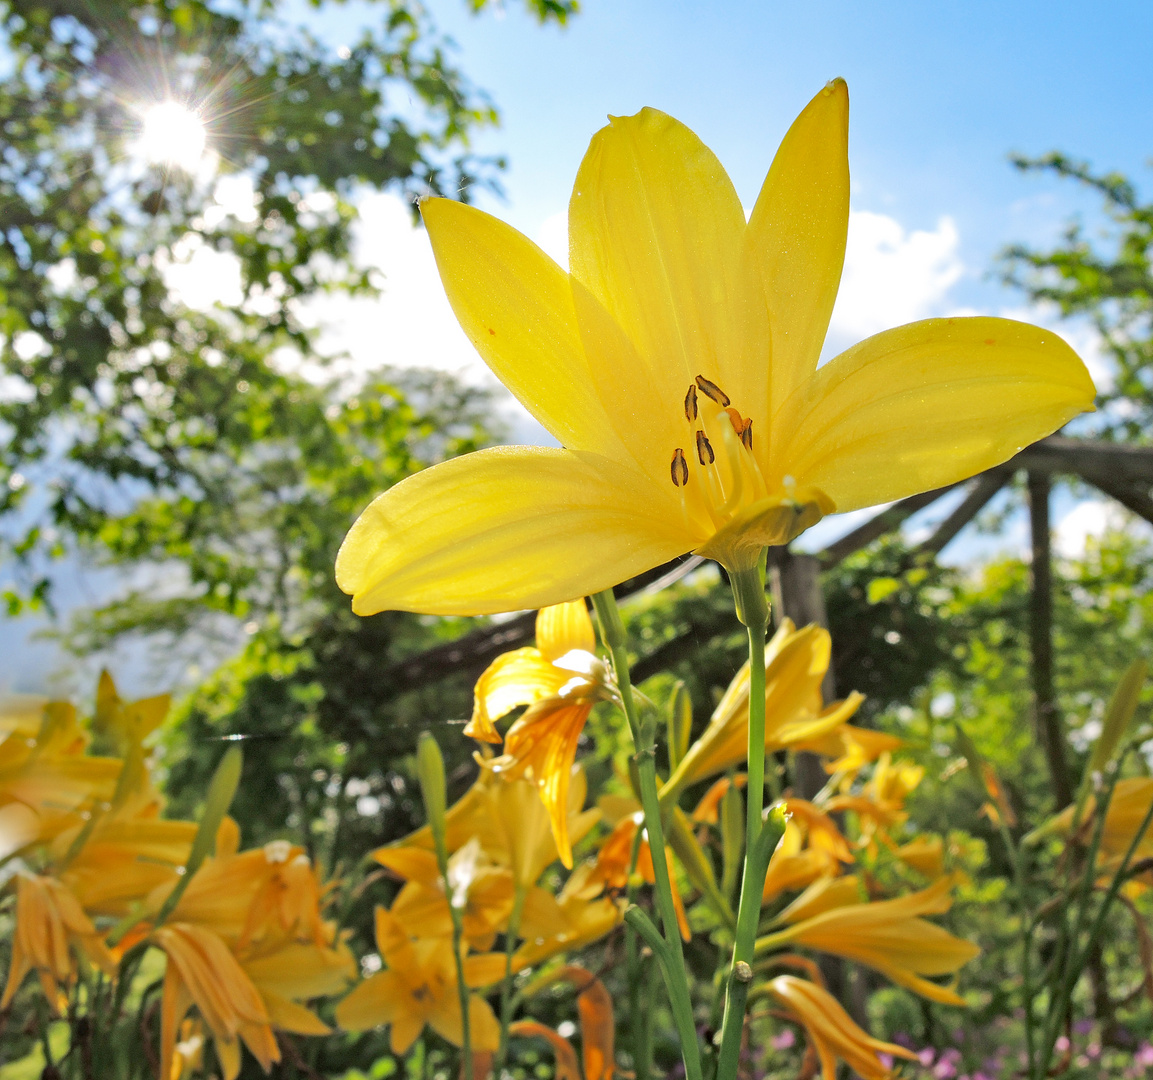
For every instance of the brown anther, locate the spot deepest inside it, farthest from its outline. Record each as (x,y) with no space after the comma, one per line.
(747,435)
(710,389)
(705,453)
(691,403)
(679,468)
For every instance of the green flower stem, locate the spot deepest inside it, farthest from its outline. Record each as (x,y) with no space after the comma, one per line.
(640,1008)
(511,935)
(752,609)
(644,740)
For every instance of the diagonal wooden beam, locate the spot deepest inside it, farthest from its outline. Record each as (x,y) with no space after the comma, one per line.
(887,521)
(1126,493)
(986,486)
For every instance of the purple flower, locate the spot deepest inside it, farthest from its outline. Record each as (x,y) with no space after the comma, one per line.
(784,1040)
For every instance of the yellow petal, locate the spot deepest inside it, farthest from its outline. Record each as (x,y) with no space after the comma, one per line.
(484,1031)
(546,739)
(516,307)
(411,863)
(405,1029)
(928,404)
(520,677)
(289,1016)
(380,999)
(655,233)
(796,236)
(506,528)
(484,969)
(562,628)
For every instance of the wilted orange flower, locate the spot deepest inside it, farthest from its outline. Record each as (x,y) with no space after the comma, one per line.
(560,680)
(202,971)
(832,1032)
(50,924)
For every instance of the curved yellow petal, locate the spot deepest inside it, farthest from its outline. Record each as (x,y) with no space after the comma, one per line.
(520,677)
(562,628)
(411,863)
(796,236)
(545,739)
(506,528)
(380,999)
(516,307)
(928,404)
(655,234)
(289,1016)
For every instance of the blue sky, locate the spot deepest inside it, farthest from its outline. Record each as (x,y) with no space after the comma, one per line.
(941,93)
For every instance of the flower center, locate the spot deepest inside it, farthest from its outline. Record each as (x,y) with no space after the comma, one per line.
(714,485)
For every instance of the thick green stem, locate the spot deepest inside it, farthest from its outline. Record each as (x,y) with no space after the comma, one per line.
(752,610)
(511,936)
(644,741)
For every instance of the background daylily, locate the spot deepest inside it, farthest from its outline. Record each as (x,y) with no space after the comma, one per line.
(676,365)
(831,1031)
(560,680)
(890,936)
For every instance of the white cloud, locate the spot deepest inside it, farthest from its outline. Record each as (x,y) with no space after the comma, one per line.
(1089,518)
(411,324)
(892,276)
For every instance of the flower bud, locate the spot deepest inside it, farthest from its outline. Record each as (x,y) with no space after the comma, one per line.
(430,773)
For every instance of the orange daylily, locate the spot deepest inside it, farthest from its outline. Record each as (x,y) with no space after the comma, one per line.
(832,1032)
(418,987)
(560,680)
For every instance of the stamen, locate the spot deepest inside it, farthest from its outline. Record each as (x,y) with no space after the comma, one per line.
(679,468)
(743,427)
(691,403)
(735,468)
(705,453)
(747,434)
(710,389)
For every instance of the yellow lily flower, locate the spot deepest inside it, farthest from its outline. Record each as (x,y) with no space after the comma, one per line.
(925,854)
(50,923)
(832,1032)
(511,822)
(890,936)
(795,664)
(676,366)
(418,987)
(1127,809)
(501,840)
(286,972)
(244,896)
(560,680)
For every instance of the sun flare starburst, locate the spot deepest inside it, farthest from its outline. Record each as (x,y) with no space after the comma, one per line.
(172,134)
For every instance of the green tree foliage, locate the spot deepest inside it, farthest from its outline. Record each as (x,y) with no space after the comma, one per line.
(1110,283)
(131,422)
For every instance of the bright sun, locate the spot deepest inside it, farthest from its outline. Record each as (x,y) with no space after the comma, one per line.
(172,134)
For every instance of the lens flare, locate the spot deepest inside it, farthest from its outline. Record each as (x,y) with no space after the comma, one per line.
(172,134)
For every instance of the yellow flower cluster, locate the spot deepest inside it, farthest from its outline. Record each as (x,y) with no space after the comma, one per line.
(245,943)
